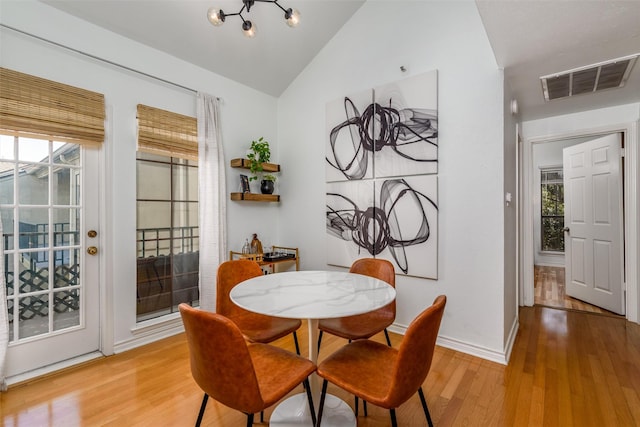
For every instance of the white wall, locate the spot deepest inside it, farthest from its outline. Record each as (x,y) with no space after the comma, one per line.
(123,90)
(368,51)
(510,209)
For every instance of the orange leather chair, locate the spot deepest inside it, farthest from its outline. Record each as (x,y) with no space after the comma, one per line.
(382,375)
(245,376)
(255,327)
(366,325)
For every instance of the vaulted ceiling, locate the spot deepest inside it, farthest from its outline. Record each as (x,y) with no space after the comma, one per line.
(530,39)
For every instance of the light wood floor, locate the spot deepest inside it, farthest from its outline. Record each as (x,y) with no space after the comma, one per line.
(549,290)
(567,369)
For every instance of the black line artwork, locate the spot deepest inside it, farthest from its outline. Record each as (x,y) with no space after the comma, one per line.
(405,131)
(376,228)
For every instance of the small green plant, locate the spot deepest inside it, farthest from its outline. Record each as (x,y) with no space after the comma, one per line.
(260,153)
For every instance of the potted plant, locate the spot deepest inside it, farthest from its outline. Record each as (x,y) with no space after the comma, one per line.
(258,154)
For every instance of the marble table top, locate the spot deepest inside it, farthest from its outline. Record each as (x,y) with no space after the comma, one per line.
(312,294)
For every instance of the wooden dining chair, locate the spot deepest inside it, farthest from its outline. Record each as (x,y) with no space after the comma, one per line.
(382,375)
(255,327)
(245,376)
(365,325)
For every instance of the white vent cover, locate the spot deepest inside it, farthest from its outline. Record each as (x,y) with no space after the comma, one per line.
(591,78)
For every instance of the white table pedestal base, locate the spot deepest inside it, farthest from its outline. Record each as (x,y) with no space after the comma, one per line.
(294,411)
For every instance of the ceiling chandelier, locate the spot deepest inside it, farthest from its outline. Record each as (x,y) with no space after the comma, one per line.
(217,16)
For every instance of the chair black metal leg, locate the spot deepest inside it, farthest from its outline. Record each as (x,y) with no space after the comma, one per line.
(322,395)
(202,406)
(295,340)
(424,406)
(356,406)
(319,341)
(386,334)
(394,423)
(249,420)
(261,416)
(310,399)
(364,405)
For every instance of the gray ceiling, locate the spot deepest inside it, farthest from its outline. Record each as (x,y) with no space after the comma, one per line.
(530,38)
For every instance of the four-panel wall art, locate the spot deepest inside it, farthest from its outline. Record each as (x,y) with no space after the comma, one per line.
(381,175)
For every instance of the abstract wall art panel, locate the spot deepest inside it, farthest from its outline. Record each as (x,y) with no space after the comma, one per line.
(349,130)
(407,225)
(406,127)
(348,225)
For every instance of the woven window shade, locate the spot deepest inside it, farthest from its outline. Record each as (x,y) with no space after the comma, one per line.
(167,134)
(34,107)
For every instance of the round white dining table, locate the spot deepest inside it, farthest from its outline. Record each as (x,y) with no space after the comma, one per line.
(312,295)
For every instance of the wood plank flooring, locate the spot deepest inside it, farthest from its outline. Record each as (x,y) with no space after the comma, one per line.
(567,369)
(549,290)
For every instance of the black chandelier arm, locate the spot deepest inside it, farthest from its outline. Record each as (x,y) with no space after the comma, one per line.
(276,3)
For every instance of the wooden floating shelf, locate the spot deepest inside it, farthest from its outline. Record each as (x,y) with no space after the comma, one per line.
(255,197)
(245,164)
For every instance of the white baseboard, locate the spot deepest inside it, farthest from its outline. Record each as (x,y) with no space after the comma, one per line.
(513,333)
(153,332)
(472,349)
(27,376)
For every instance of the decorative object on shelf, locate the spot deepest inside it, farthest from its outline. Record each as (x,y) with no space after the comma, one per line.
(244,180)
(256,245)
(217,16)
(246,248)
(259,153)
(267,184)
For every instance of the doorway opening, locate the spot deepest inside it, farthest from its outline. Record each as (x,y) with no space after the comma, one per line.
(542,280)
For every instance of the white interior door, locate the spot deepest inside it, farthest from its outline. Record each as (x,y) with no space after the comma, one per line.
(50,201)
(593,222)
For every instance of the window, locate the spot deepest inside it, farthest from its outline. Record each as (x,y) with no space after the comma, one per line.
(167,232)
(552,210)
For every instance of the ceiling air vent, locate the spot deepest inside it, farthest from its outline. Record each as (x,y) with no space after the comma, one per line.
(591,78)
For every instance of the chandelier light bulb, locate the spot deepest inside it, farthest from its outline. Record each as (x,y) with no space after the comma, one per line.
(249,29)
(293,17)
(215,16)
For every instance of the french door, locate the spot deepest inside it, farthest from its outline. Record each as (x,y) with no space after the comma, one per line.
(49,202)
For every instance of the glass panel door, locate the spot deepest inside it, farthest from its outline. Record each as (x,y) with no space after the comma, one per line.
(49,196)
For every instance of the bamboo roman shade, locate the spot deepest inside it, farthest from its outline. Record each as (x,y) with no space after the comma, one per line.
(34,107)
(168,134)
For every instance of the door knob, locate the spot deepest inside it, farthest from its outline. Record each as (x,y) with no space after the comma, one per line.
(92,250)
(566,229)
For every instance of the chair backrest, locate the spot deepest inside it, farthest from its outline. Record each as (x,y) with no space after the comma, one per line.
(380,269)
(220,361)
(416,352)
(230,273)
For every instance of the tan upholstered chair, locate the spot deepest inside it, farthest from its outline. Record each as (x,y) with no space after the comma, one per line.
(385,376)
(365,325)
(245,376)
(255,327)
